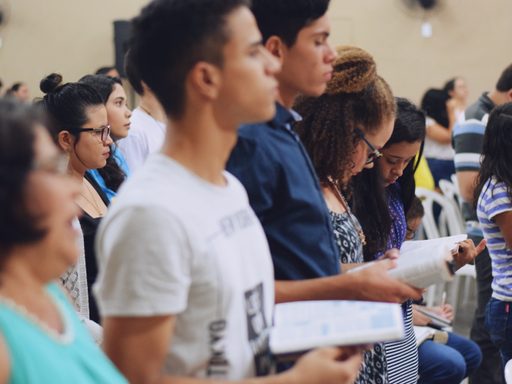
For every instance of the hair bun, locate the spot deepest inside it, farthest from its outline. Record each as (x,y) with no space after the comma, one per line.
(353,70)
(50,83)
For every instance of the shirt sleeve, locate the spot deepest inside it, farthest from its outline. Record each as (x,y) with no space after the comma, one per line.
(497,200)
(468,142)
(145,264)
(134,150)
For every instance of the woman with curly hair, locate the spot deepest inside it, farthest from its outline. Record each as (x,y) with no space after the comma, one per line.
(343,130)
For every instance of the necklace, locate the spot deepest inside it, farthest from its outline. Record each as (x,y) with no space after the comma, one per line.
(92,201)
(341,198)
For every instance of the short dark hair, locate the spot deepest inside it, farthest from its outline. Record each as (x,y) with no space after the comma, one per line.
(285,18)
(17,136)
(133,74)
(171,36)
(416,210)
(504,83)
(104,70)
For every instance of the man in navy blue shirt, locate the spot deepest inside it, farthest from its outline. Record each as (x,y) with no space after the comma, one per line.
(274,167)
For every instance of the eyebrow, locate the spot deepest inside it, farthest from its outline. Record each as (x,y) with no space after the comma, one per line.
(256,44)
(325,34)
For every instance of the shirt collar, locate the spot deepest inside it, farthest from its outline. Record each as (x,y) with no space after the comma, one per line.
(284,117)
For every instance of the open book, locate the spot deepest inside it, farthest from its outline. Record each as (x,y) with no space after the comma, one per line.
(304,325)
(436,320)
(426,262)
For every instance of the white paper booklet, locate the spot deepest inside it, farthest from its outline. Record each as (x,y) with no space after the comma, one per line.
(304,325)
(423,333)
(425,262)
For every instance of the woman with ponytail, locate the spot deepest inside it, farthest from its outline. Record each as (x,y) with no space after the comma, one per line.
(79,118)
(343,130)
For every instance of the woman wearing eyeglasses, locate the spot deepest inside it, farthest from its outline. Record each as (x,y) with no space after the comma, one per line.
(343,130)
(80,119)
(41,337)
(116,170)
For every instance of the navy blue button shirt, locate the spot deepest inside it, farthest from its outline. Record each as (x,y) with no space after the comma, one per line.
(284,191)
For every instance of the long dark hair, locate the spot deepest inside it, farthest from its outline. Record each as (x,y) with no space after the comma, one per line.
(369,203)
(111,173)
(497,150)
(433,104)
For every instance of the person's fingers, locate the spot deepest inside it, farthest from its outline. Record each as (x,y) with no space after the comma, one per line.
(481,246)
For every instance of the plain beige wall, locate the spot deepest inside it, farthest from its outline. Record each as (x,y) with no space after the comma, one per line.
(472,38)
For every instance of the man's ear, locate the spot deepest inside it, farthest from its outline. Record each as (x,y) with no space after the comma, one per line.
(509,94)
(205,79)
(66,141)
(276,47)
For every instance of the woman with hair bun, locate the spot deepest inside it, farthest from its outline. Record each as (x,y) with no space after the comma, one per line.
(79,117)
(343,130)
(41,338)
(112,92)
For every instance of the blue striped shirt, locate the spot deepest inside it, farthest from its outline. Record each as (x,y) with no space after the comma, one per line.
(494,200)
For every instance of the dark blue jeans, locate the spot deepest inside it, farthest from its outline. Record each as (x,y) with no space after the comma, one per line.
(499,324)
(447,363)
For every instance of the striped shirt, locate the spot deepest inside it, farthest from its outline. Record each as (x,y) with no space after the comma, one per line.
(468,138)
(494,200)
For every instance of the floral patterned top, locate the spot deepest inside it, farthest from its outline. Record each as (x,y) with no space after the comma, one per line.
(374,368)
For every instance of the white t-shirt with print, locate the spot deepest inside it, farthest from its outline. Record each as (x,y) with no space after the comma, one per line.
(173,243)
(146,136)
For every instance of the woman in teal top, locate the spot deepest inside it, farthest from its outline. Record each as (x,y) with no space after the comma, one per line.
(41,337)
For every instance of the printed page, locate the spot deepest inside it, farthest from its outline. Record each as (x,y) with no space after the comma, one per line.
(424,262)
(302,326)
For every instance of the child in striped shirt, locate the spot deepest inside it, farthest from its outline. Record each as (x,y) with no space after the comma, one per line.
(494,208)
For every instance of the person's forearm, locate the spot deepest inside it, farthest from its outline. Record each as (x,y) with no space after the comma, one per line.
(339,287)
(282,378)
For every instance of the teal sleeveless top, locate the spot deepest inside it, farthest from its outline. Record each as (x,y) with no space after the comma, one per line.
(38,355)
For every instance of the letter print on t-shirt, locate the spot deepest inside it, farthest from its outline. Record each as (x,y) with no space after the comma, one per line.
(258,330)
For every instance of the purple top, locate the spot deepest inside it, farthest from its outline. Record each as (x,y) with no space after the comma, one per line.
(399,223)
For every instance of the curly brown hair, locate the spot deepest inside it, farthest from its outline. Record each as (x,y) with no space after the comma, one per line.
(356,97)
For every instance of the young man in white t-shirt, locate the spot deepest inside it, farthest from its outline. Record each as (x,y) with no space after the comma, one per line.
(186,285)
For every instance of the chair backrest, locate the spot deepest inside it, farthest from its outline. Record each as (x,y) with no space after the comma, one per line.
(449,214)
(455,183)
(450,191)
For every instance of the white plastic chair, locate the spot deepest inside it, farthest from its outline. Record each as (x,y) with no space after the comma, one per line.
(449,211)
(450,192)
(449,219)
